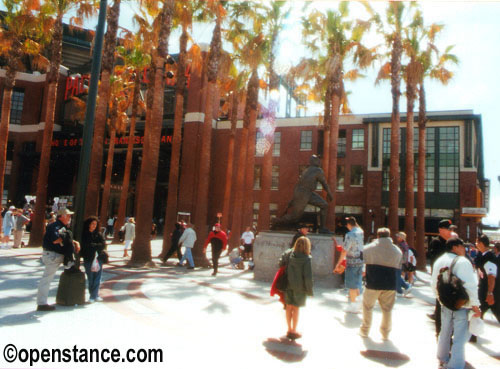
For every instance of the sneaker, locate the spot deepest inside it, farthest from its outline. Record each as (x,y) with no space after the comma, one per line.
(45,308)
(69,265)
(407,290)
(99,299)
(178,264)
(91,301)
(190,267)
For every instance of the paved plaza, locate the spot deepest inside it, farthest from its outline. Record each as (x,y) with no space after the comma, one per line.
(228,321)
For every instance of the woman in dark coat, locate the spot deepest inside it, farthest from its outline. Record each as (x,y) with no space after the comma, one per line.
(300,283)
(92,246)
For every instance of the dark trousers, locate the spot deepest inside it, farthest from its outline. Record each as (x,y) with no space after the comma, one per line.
(437,315)
(170,252)
(216,251)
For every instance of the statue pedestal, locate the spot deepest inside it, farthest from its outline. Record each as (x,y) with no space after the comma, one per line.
(269,245)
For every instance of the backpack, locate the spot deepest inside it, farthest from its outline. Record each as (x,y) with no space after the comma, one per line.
(450,288)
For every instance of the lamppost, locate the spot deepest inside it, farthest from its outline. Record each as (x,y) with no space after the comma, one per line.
(88,128)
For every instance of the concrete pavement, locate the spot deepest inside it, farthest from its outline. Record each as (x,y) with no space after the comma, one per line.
(228,321)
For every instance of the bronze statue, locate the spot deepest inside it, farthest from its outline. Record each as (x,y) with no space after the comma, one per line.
(304,194)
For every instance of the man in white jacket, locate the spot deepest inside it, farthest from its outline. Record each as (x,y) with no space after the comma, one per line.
(455,323)
(187,240)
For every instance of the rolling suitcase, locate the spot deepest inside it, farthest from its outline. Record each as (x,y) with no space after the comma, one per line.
(71,290)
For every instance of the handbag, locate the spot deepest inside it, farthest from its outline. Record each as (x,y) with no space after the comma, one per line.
(95,267)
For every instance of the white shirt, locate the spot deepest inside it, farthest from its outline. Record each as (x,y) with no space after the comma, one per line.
(463,270)
(247,237)
(188,238)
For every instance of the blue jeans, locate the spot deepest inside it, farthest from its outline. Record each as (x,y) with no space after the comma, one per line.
(400,282)
(187,255)
(354,278)
(93,278)
(456,324)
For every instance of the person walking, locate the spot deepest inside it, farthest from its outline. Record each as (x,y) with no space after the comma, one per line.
(353,253)
(489,283)
(92,247)
(402,287)
(383,260)
(218,239)
(110,226)
(8,224)
(55,241)
(129,229)
(20,223)
(188,238)
(437,247)
(174,242)
(300,282)
(455,323)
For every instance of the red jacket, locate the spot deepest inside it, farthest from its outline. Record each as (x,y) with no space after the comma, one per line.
(219,235)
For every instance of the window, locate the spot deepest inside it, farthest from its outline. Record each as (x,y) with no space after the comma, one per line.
(16,107)
(430,159)
(277,144)
(306,140)
(448,160)
(257,171)
(273,210)
(341,144)
(256,207)
(340,177)
(356,175)
(358,139)
(275,177)
(260,144)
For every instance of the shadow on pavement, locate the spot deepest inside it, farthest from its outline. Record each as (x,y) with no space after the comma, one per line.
(284,349)
(384,353)
(350,320)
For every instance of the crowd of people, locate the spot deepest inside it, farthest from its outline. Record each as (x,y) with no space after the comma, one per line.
(377,271)
(382,269)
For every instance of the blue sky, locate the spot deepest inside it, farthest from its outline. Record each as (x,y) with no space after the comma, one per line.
(472,26)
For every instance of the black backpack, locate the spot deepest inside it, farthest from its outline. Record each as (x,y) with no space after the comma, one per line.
(450,288)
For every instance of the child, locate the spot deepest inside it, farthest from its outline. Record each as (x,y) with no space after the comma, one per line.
(236,259)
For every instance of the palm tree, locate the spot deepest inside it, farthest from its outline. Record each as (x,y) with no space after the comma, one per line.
(183,18)
(341,38)
(276,14)
(434,66)
(21,35)
(108,60)
(58,9)
(120,100)
(136,59)
(412,74)
(141,248)
(210,92)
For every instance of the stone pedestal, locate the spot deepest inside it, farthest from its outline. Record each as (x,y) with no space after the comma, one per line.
(269,245)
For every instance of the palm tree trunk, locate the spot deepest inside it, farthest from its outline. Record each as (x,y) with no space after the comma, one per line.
(122,209)
(239,192)
(141,248)
(173,179)
(95,171)
(38,224)
(230,161)
(394,177)
(107,179)
(253,93)
(332,170)
(206,144)
(422,120)
(4,129)
(265,185)
(326,134)
(410,165)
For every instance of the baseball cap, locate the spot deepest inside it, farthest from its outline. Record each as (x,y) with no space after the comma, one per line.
(217,225)
(64,211)
(445,223)
(12,207)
